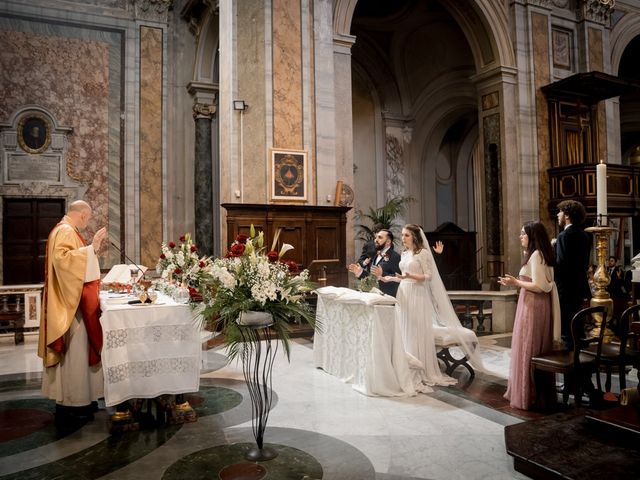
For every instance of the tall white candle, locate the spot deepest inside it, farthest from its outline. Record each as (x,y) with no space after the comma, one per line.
(601,193)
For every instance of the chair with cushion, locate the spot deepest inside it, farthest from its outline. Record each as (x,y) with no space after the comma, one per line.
(576,366)
(619,354)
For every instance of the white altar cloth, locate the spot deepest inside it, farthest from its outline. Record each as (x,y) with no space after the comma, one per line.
(360,342)
(148,350)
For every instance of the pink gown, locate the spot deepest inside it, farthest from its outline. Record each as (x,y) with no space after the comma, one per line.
(532,331)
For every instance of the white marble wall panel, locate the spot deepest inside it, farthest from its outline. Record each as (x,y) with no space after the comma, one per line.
(325,122)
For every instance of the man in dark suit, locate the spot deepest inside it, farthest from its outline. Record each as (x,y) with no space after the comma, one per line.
(369,250)
(385,257)
(573,250)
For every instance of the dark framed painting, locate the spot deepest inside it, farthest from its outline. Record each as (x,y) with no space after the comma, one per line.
(289,175)
(34,133)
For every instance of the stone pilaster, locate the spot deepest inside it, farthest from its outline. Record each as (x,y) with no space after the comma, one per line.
(206,213)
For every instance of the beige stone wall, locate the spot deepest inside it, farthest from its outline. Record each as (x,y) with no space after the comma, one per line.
(69,77)
(251,88)
(542,72)
(287,75)
(150,128)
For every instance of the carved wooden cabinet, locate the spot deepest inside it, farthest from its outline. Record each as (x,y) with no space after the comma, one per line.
(316,233)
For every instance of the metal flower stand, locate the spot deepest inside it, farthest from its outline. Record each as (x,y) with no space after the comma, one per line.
(257,366)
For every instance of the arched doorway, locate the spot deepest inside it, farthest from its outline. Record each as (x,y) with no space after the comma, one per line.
(629,108)
(428,93)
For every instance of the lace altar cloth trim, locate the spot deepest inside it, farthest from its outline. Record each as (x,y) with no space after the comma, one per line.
(151,334)
(150,368)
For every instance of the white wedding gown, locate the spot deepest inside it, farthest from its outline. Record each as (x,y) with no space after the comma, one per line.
(416,315)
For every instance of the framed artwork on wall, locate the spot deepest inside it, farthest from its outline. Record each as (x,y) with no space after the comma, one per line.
(34,133)
(289,175)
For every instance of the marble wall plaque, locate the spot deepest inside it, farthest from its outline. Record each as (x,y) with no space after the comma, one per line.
(33,168)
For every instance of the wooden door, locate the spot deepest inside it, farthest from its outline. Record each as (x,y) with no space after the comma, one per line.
(25,227)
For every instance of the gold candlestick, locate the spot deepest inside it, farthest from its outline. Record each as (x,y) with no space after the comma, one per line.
(601,277)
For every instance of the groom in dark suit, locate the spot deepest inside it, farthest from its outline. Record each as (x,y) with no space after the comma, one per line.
(573,249)
(384,257)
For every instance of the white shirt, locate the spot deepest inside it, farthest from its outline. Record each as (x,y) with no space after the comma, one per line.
(380,255)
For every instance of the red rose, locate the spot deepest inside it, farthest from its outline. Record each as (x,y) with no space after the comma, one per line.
(241,238)
(172,244)
(177,271)
(237,249)
(292,266)
(163,256)
(272,256)
(194,294)
(182,238)
(201,264)
(193,248)
(229,255)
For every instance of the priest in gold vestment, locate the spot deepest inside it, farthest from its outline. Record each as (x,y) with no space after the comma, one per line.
(70,337)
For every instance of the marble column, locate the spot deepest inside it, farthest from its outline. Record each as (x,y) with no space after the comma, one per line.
(205,214)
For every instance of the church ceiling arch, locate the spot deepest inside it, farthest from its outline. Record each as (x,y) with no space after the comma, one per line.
(369,60)
(484,23)
(622,34)
(208,37)
(453,92)
(407,48)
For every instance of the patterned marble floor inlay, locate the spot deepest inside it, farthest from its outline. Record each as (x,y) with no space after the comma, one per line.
(106,456)
(211,400)
(26,424)
(291,463)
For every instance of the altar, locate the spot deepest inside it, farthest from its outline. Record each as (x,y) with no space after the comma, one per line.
(359,341)
(148,350)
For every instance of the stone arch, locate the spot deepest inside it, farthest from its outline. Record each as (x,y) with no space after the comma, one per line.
(205,65)
(447,104)
(624,31)
(484,23)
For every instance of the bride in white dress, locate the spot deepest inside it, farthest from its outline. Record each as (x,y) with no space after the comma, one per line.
(423,303)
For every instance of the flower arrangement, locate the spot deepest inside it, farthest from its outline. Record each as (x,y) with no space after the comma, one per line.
(246,280)
(367,283)
(180,264)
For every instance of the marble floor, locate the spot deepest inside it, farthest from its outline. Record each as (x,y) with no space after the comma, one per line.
(321,426)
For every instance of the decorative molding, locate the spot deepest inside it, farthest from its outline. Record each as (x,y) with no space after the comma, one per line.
(203,110)
(407,134)
(541,3)
(152,9)
(598,11)
(195,12)
(343,43)
(43,170)
(395,167)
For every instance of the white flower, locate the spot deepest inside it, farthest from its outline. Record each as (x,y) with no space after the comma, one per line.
(284,249)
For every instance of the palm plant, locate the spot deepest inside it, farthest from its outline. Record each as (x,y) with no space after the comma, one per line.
(385,215)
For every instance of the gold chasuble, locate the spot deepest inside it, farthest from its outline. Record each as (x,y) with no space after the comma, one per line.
(66,264)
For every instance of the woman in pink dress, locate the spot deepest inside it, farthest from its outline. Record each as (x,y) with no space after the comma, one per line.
(533,327)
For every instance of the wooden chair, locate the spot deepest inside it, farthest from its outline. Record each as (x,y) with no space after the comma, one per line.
(576,366)
(618,354)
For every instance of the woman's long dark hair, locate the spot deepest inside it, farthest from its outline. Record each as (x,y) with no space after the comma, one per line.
(539,240)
